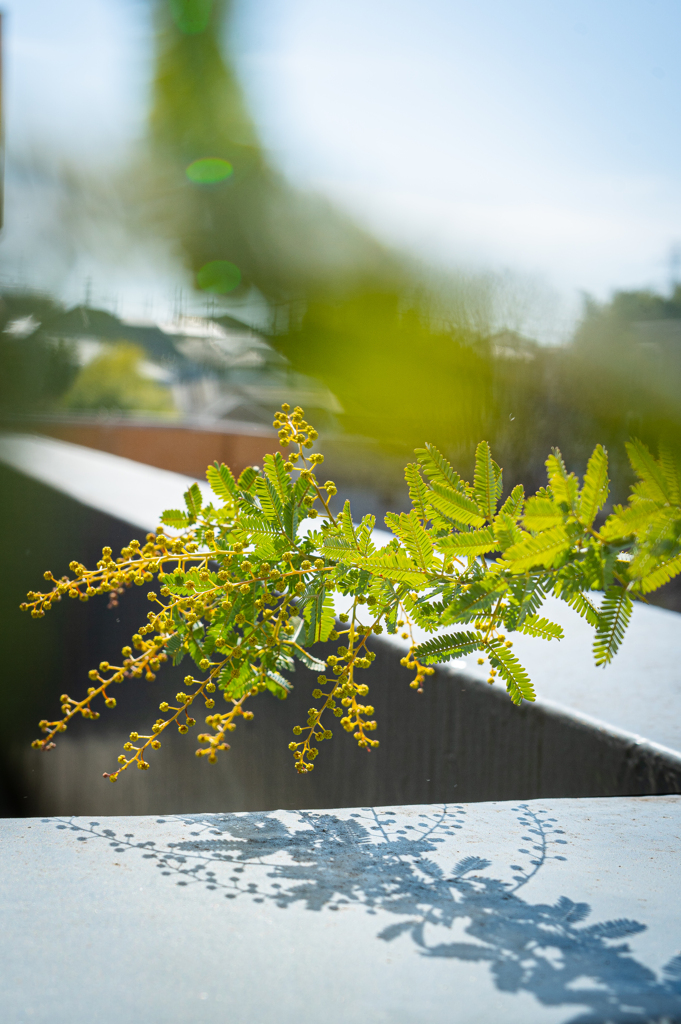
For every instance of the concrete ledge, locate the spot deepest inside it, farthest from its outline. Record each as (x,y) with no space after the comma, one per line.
(460,740)
(547,912)
(130,491)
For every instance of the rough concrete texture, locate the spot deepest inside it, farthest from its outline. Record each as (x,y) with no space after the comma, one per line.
(638,693)
(548,911)
(460,740)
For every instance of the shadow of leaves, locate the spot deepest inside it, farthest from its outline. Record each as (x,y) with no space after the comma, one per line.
(373,860)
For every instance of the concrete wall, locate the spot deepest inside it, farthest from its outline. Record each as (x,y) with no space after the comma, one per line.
(459,741)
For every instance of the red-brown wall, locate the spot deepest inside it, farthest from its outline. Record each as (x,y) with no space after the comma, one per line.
(183,449)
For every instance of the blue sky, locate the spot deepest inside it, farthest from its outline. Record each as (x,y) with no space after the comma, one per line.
(536,135)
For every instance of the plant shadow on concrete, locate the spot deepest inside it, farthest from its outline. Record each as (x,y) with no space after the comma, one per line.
(368,860)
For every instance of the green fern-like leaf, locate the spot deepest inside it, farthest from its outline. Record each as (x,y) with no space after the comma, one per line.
(564,486)
(541,514)
(669,464)
(518,683)
(364,542)
(660,575)
(347,525)
(193,500)
(583,606)
(175,518)
(526,596)
(415,539)
(221,481)
(277,684)
(543,628)
(314,664)
(545,550)
(443,648)
(338,547)
(595,488)
(648,470)
(471,544)
(418,492)
(487,481)
(236,683)
(175,581)
(659,542)
(257,524)
(476,600)
(270,501)
(630,520)
(275,472)
(614,615)
(247,479)
(201,585)
(513,506)
(506,532)
(438,469)
(319,616)
(456,506)
(175,649)
(388,564)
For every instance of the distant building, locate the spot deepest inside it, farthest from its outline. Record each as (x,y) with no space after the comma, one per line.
(216,368)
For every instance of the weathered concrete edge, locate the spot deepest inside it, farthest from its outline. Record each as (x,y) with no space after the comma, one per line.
(153,489)
(629,741)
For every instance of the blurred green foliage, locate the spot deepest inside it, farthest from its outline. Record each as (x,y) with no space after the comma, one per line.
(397,376)
(404,363)
(34,371)
(284,242)
(114,382)
(624,367)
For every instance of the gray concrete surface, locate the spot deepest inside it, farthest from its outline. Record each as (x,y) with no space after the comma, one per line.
(459,740)
(637,695)
(552,911)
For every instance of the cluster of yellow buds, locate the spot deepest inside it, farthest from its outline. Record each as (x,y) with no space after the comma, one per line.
(411,661)
(294,429)
(339,695)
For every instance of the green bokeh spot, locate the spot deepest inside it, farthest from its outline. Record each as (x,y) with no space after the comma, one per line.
(218,276)
(209,170)
(191,16)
